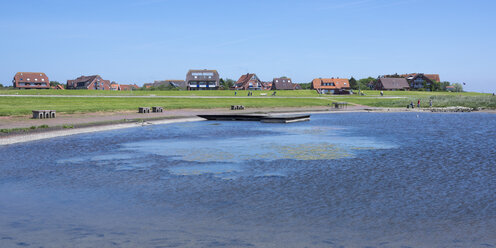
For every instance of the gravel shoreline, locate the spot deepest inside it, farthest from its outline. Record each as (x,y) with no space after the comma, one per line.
(120,121)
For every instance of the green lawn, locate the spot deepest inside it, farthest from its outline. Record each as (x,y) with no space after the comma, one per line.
(295,93)
(421,93)
(24,105)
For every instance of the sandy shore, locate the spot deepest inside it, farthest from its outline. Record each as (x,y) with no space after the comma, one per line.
(95,122)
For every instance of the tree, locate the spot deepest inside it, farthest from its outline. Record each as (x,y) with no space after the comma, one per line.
(1,85)
(306,86)
(363,83)
(227,83)
(458,87)
(54,83)
(444,84)
(353,83)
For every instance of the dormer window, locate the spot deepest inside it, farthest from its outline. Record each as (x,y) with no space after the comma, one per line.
(43,79)
(28,79)
(35,79)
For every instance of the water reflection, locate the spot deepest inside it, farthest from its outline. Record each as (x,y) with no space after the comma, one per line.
(343,180)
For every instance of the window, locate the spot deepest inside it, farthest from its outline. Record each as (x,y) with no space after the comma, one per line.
(43,79)
(35,79)
(28,79)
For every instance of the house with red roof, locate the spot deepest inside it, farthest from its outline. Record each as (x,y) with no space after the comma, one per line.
(129,87)
(331,85)
(94,82)
(249,81)
(284,83)
(115,86)
(31,80)
(421,80)
(385,83)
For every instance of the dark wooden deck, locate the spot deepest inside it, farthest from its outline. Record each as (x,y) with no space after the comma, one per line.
(255,117)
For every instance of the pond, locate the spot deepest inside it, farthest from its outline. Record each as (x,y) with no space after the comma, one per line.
(340,180)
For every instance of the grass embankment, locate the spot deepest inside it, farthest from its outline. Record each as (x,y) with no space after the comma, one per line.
(24,105)
(471,101)
(295,93)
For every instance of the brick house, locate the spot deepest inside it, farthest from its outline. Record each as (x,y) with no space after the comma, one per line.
(284,83)
(385,83)
(266,85)
(202,80)
(249,81)
(115,86)
(331,85)
(179,84)
(94,82)
(128,87)
(421,80)
(31,80)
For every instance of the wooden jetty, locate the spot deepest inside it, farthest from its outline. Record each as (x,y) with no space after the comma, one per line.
(261,117)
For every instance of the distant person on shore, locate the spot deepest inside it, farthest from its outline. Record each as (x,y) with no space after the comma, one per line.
(418,103)
(411,104)
(430,103)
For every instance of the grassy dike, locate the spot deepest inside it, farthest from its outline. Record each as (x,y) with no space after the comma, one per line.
(471,101)
(18,105)
(24,105)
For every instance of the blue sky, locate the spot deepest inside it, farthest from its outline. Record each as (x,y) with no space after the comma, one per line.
(131,41)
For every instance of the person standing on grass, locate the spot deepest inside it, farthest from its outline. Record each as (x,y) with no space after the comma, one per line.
(430,103)
(235,92)
(382,93)
(418,103)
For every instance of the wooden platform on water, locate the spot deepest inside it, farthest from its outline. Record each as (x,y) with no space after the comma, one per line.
(255,117)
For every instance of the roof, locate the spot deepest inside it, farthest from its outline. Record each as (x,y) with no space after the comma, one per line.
(245,79)
(204,70)
(282,84)
(394,83)
(331,83)
(85,79)
(175,83)
(129,86)
(432,77)
(31,77)
(203,75)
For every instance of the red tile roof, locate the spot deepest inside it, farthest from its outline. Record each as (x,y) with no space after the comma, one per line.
(34,80)
(432,77)
(129,87)
(331,83)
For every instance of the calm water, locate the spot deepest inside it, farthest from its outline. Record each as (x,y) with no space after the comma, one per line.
(340,180)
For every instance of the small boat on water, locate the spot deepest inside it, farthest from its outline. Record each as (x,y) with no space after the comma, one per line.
(258,117)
